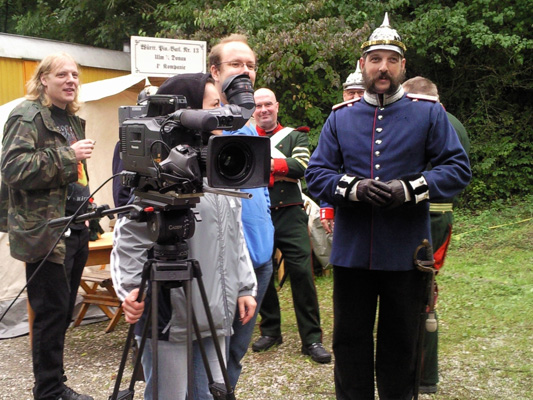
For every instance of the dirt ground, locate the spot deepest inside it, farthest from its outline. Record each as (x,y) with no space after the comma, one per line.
(92,359)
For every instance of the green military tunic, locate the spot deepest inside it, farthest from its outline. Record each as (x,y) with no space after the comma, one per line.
(291,155)
(441,215)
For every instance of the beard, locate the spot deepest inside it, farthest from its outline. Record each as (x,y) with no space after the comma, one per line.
(395,81)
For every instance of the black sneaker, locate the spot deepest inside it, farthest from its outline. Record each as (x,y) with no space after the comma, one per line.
(69,394)
(266,342)
(317,352)
(427,389)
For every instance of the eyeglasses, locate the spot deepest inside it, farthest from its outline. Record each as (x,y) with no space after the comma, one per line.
(240,64)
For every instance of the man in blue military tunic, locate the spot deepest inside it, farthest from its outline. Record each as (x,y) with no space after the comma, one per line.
(370,163)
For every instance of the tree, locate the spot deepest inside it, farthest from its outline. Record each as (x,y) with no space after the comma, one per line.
(104,23)
(10,8)
(479,53)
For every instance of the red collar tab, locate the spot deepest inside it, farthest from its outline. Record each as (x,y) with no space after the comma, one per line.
(262,132)
(304,129)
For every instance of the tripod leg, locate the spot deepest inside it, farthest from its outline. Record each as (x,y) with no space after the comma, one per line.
(155,337)
(190,317)
(125,353)
(140,350)
(123,361)
(202,350)
(229,395)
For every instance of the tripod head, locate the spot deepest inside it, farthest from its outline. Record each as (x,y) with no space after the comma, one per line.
(168,222)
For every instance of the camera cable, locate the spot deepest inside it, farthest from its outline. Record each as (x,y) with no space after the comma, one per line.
(70,220)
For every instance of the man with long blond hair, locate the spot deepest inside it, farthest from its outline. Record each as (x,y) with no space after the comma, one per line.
(44,177)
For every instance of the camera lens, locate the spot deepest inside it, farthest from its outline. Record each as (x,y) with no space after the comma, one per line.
(234,161)
(238,161)
(239,90)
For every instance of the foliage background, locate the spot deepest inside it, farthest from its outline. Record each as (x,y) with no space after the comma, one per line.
(479,53)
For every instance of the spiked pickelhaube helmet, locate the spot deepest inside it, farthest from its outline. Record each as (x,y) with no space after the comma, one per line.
(384,38)
(354,80)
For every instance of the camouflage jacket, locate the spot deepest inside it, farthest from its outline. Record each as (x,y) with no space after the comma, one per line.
(37,166)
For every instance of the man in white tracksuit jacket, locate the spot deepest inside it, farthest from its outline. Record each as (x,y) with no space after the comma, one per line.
(227,273)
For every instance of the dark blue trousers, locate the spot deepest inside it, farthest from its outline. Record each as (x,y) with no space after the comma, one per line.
(398,299)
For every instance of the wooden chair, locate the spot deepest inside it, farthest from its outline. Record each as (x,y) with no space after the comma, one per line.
(98,285)
(99,291)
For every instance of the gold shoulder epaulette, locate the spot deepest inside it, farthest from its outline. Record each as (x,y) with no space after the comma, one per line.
(348,103)
(416,97)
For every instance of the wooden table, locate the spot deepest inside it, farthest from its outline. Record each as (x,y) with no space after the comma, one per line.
(100,250)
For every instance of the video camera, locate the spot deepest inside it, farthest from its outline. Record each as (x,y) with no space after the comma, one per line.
(172,151)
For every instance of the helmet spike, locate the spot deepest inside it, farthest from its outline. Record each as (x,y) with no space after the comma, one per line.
(386,20)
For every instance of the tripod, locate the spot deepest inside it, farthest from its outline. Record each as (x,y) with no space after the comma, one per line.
(168,264)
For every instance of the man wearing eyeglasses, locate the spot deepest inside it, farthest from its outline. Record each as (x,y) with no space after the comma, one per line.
(233,56)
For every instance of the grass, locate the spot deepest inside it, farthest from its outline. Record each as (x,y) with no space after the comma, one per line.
(485,319)
(486,290)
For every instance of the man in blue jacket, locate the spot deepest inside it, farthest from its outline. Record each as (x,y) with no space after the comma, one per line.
(233,56)
(370,163)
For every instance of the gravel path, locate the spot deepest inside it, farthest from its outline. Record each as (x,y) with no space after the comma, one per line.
(92,359)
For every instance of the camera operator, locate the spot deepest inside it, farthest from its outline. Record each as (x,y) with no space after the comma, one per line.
(218,244)
(232,56)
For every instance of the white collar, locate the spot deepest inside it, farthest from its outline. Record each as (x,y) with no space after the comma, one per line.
(374,99)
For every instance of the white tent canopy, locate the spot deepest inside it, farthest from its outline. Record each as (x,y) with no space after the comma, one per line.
(101,101)
(32,48)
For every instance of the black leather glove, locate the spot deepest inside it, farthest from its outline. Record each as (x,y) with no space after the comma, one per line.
(397,194)
(373,192)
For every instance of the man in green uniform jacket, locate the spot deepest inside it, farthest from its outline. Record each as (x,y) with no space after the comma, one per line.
(290,155)
(441,215)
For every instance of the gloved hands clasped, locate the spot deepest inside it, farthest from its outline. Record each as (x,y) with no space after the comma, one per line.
(387,195)
(398,196)
(373,192)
